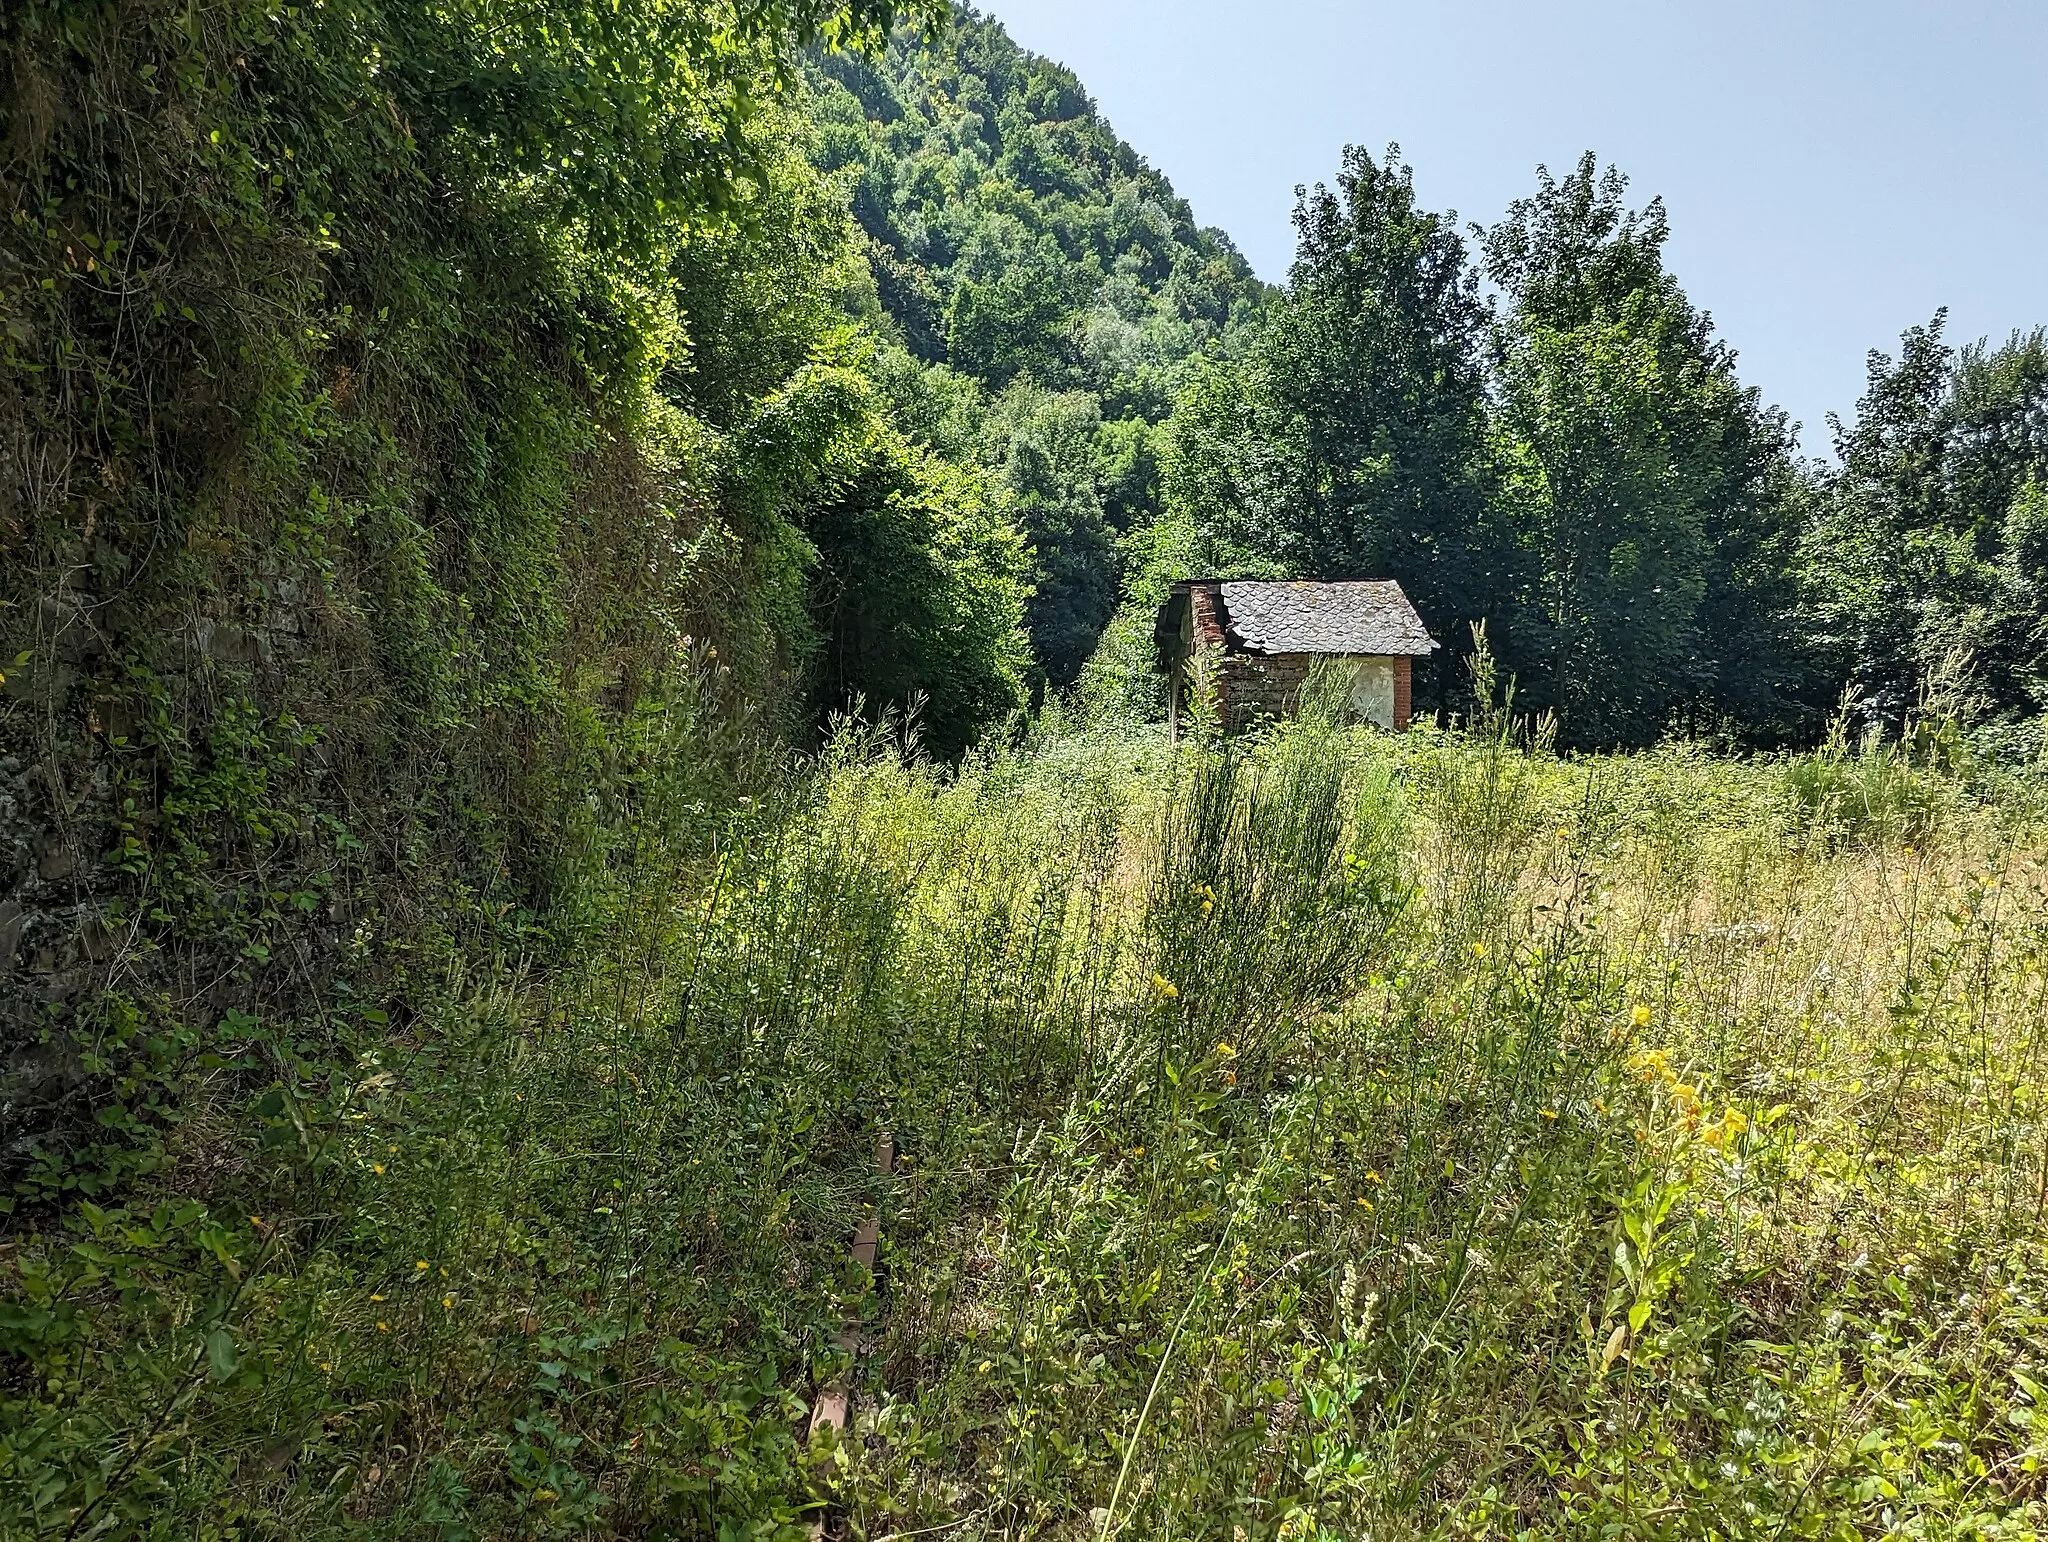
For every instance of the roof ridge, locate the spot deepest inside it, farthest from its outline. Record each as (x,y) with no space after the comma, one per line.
(1371,616)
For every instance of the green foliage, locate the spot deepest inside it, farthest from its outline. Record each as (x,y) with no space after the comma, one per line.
(403,411)
(923,605)
(1011,229)
(1289,1151)
(1279,885)
(1926,539)
(1349,442)
(1877,792)
(449,451)
(1584,473)
(1017,243)
(1538,1230)
(1060,467)
(1647,484)
(1887,789)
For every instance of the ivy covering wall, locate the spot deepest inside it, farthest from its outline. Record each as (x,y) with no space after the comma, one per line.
(418,425)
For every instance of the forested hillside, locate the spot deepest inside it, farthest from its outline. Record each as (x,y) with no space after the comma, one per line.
(576,581)
(1052,285)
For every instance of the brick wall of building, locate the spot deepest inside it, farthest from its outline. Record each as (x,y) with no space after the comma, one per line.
(1206,604)
(1255,685)
(1404,691)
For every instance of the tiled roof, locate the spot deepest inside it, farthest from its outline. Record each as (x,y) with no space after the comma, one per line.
(1367,616)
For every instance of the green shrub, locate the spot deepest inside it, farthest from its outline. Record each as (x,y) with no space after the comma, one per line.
(1884,790)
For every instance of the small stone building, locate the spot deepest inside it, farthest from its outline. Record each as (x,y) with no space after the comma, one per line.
(1263,638)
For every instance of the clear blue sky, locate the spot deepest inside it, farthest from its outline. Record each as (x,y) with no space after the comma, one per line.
(1834,171)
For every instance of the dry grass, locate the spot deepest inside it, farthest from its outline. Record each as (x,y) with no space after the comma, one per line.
(1326,1137)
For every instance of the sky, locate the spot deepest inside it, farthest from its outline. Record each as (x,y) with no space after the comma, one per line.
(1834,172)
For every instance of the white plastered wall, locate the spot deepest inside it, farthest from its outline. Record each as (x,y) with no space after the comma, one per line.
(1372,689)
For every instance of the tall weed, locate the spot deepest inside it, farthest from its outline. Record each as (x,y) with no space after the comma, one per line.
(1310,1135)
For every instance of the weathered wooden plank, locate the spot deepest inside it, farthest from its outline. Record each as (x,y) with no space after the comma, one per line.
(833,1408)
(834,1405)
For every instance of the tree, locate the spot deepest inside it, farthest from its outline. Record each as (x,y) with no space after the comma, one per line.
(1042,447)
(883,551)
(1373,364)
(1925,542)
(1349,441)
(920,594)
(1646,485)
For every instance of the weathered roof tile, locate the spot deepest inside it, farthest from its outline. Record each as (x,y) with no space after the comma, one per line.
(1362,616)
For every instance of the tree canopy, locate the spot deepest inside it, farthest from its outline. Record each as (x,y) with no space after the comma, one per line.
(1927,538)
(1570,460)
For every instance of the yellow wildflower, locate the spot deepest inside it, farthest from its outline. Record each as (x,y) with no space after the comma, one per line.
(1225,1050)
(383,1327)
(1550,1113)
(1364,1202)
(421,1264)
(447,1301)
(1164,986)
(377,1168)
(1640,1015)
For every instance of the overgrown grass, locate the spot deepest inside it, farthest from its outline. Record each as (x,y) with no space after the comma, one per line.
(1322,1136)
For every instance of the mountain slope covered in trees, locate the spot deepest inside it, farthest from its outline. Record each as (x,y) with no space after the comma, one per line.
(1042,279)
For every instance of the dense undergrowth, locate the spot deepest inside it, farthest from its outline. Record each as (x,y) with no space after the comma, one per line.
(447,454)
(1323,1135)
(404,414)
